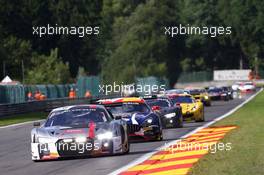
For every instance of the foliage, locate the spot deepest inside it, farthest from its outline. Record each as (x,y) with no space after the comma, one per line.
(246,142)
(48,69)
(131,41)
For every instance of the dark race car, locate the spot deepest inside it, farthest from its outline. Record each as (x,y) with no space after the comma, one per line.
(142,121)
(216,93)
(171,115)
(229,91)
(80,130)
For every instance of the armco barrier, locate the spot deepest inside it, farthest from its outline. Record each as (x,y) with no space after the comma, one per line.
(46,105)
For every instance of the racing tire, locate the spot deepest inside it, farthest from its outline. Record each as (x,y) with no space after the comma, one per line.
(127,145)
(159,136)
(226,98)
(179,122)
(201,119)
(208,104)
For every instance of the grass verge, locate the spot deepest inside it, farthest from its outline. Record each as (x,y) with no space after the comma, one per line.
(246,156)
(22,118)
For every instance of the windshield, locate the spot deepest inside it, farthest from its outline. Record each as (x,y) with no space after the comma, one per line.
(249,84)
(76,117)
(214,90)
(163,103)
(128,108)
(195,92)
(182,100)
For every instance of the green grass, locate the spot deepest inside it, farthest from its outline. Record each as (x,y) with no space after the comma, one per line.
(260,85)
(247,153)
(22,118)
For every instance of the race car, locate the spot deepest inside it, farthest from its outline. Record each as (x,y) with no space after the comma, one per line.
(202,95)
(176,91)
(171,115)
(142,121)
(191,109)
(229,91)
(247,87)
(217,93)
(80,130)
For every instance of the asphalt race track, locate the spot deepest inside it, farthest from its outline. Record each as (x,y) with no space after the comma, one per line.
(15,156)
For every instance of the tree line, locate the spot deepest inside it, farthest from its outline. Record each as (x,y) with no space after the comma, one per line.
(131,42)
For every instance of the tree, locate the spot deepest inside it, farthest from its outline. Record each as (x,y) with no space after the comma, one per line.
(48,70)
(246,19)
(138,44)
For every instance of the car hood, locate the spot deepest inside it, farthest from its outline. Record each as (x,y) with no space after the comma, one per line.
(187,106)
(67,132)
(167,110)
(134,118)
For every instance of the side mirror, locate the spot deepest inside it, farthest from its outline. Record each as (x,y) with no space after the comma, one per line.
(36,124)
(198,100)
(118,117)
(155,108)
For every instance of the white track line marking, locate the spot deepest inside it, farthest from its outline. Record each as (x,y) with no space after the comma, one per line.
(148,155)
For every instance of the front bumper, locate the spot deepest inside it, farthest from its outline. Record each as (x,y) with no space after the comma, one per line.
(144,132)
(59,149)
(192,114)
(170,122)
(188,115)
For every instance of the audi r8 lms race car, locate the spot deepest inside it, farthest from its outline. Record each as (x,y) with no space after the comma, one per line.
(171,115)
(191,109)
(201,94)
(81,130)
(142,121)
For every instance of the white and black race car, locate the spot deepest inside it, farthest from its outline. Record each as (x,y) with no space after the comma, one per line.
(80,130)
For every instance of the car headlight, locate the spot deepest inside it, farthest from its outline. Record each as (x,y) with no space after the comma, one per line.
(149,120)
(194,108)
(81,139)
(106,135)
(170,115)
(206,97)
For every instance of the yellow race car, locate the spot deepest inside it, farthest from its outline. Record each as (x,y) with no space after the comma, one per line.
(192,109)
(200,94)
